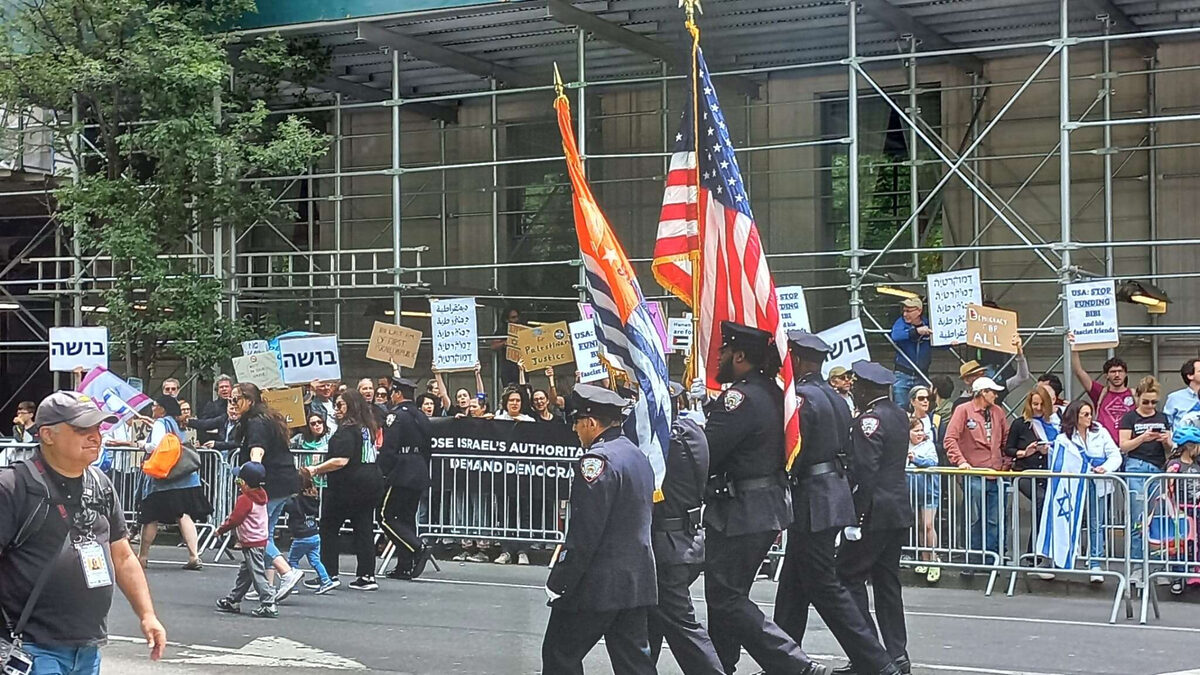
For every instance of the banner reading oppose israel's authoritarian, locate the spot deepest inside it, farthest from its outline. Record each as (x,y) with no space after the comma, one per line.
(484,447)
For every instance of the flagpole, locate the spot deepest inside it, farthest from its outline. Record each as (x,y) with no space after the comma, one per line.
(695,365)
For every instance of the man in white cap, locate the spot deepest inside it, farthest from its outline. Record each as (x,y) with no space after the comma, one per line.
(975,439)
(64,543)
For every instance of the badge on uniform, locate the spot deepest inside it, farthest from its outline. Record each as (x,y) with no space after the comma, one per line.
(869,425)
(389,419)
(95,565)
(591,468)
(733,398)
(800,401)
(971,424)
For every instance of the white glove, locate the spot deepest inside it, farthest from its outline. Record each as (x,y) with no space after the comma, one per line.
(551,596)
(852,533)
(698,392)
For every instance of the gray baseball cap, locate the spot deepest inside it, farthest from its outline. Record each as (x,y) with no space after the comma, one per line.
(73,408)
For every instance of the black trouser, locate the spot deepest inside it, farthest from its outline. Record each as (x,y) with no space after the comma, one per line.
(1027,488)
(734,621)
(398,519)
(877,557)
(360,512)
(675,619)
(809,576)
(571,635)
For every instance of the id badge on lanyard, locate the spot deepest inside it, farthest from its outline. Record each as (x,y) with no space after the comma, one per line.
(94,564)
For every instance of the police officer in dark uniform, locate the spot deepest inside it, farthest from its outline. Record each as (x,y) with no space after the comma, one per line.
(678,538)
(822,505)
(748,502)
(879,451)
(602,583)
(404,460)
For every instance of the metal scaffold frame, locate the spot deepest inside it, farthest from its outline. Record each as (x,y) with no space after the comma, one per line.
(336,274)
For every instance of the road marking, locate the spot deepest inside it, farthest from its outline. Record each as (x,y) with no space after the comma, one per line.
(268,652)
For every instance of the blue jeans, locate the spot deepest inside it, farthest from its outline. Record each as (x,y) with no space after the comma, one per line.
(49,660)
(1137,501)
(904,384)
(309,548)
(987,516)
(274,511)
(1097,508)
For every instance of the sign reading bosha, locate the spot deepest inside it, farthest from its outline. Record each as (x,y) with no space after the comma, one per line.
(545,346)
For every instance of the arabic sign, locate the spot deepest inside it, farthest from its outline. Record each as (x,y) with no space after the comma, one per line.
(949,295)
(455,334)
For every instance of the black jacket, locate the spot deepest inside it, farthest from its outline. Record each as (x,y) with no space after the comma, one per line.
(302,512)
(879,449)
(1020,435)
(405,454)
(678,537)
(821,501)
(607,562)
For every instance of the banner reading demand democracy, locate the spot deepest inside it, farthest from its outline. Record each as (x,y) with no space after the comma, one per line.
(481,447)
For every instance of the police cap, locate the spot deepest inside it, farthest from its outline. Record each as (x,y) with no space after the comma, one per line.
(754,342)
(403,384)
(802,339)
(588,399)
(874,373)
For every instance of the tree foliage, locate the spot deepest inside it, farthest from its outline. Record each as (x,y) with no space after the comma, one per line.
(173,124)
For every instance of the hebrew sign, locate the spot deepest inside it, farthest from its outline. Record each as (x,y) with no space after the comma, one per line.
(849,343)
(82,347)
(455,334)
(309,358)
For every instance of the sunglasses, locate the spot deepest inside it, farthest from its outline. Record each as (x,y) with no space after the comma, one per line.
(339,404)
(316,423)
(1149,401)
(236,399)
(922,398)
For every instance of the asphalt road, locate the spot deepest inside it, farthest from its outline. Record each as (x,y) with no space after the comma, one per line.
(482,618)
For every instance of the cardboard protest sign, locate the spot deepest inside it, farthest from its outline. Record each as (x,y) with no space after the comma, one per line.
(394,344)
(78,347)
(287,402)
(588,365)
(455,334)
(511,351)
(680,331)
(309,358)
(949,295)
(849,343)
(544,346)
(260,369)
(793,308)
(990,328)
(1092,315)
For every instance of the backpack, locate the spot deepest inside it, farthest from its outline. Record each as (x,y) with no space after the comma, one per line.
(38,504)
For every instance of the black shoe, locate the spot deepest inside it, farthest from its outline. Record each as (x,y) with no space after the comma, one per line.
(815,668)
(847,669)
(312,584)
(400,573)
(891,669)
(364,584)
(419,562)
(903,664)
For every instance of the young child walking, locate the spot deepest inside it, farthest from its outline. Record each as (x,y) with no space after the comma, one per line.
(249,516)
(302,510)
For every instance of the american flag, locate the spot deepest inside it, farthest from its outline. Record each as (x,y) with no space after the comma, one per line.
(736,284)
(623,324)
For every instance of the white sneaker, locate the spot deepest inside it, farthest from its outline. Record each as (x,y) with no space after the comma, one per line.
(503,559)
(251,595)
(1136,580)
(287,583)
(522,558)
(1096,577)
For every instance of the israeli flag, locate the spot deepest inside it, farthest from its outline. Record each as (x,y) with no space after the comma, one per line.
(1062,511)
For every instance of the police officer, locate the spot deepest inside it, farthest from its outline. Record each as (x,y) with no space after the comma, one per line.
(602,582)
(404,460)
(748,502)
(879,451)
(678,539)
(822,505)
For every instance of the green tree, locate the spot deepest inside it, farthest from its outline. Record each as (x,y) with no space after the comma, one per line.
(172,122)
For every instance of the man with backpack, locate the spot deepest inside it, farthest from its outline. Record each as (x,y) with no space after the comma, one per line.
(63,543)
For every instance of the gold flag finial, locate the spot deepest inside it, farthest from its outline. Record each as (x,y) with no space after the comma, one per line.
(558,81)
(690,7)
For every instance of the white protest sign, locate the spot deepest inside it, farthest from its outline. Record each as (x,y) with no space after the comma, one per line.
(261,370)
(588,365)
(849,343)
(793,309)
(1092,314)
(313,357)
(680,332)
(455,334)
(72,348)
(949,295)
(254,347)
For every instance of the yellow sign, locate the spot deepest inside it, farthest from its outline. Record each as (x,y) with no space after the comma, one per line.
(394,344)
(512,352)
(287,402)
(545,346)
(990,328)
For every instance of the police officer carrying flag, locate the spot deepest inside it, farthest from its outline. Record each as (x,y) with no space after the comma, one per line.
(404,460)
(879,449)
(602,582)
(748,502)
(822,505)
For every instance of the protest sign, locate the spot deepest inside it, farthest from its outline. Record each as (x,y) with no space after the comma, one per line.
(254,347)
(793,309)
(483,449)
(511,351)
(394,344)
(849,343)
(990,328)
(655,310)
(261,370)
(949,295)
(545,346)
(287,402)
(109,392)
(309,358)
(588,366)
(1092,315)
(680,331)
(78,347)
(136,383)
(455,334)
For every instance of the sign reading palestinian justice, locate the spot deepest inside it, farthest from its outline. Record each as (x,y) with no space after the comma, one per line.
(308,358)
(261,370)
(990,328)
(78,347)
(680,331)
(394,344)
(287,402)
(1092,315)
(588,366)
(455,334)
(545,346)
(949,295)
(849,343)
(793,309)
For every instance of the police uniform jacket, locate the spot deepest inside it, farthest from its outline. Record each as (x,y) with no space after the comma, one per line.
(879,448)
(821,496)
(677,535)
(405,454)
(607,563)
(746,450)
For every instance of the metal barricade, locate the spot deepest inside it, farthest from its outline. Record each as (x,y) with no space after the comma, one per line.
(11,451)
(1171,512)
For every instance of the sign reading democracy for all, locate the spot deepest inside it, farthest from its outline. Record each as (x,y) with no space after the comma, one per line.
(991,328)
(545,346)
(78,347)
(793,309)
(849,343)
(485,448)
(949,295)
(588,366)
(308,358)
(1092,314)
(394,344)
(455,334)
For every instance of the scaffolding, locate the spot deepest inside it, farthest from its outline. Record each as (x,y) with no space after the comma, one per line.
(455,193)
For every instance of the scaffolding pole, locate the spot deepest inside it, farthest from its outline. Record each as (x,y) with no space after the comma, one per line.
(852,158)
(1064,188)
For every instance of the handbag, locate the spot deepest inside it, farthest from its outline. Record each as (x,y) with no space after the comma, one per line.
(164,458)
(189,461)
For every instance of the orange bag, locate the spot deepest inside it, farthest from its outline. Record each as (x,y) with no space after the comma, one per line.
(164,458)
